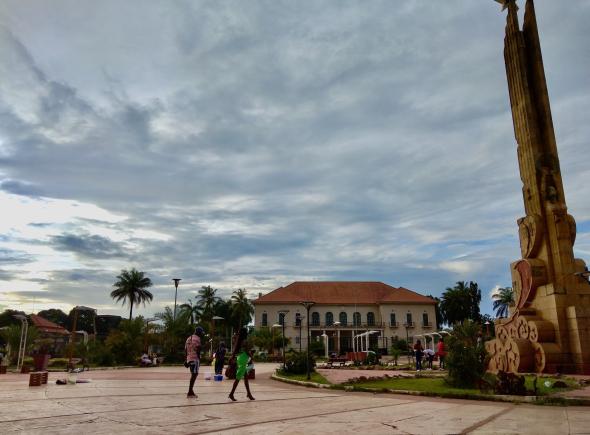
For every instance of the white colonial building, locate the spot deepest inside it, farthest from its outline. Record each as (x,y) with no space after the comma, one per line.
(345,309)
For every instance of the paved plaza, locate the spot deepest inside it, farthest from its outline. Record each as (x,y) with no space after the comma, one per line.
(152,400)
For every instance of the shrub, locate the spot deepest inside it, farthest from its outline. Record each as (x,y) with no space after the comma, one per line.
(466,359)
(295,362)
(316,348)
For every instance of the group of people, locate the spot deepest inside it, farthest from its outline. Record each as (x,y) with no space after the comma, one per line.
(420,353)
(241,359)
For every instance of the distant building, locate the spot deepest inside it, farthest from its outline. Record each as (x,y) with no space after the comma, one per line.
(49,330)
(344,309)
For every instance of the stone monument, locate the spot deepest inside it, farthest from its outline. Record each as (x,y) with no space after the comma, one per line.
(548,330)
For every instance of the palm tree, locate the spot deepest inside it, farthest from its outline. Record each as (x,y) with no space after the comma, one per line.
(503,299)
(461,302)
(207,301)
(131,287)
(192,310)
(242,308)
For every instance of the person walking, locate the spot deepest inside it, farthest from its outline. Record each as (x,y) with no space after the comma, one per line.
(220,358)
(192,350)
(241,357)
(442,353)
(418,353)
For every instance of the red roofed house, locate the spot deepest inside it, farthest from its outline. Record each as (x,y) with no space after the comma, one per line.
(53,331)
(343,309)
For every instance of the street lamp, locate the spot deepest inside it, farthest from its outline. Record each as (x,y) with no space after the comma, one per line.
(282,317)
(307,305)
(487,327)
(176,281)
(23,340)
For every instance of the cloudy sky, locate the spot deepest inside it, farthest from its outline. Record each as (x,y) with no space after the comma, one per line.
(254,143)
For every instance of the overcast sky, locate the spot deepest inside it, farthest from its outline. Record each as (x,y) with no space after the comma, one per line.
(249,144)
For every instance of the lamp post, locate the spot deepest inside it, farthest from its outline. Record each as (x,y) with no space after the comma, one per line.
(282,316)
(176,281)
(307,305)
(22,346)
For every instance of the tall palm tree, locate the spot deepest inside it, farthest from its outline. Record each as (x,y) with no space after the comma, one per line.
(207,300)
(131,287)
(242,308)
(503,299)
(192,310)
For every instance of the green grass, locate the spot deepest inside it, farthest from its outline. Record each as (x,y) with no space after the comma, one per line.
(430,385)
(315,377)
(542,390)
(439,386)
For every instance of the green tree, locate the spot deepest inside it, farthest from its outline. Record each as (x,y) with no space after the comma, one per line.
(7,318)
(207,300)
(503,299)
(126,342)
(461,302)
(242,308)
(268,339)
(56,316)
(466,359)
(131,287)
(11,335)
(192,310)
(175,331)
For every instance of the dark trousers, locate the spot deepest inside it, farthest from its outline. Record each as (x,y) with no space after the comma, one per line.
(218,368)
(418,362)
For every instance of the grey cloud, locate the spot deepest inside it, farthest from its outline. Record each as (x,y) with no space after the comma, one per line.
(367,140)
(19,188)
(89,246)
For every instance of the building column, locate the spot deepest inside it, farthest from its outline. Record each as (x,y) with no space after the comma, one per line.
(338,342)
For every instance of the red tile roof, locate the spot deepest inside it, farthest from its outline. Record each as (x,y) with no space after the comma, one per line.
(342,293)
(45,325)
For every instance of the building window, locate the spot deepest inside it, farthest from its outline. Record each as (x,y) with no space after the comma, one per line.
(392,321)
(298,319)
(329,319)
(425,319)
(264,319)
(281,318)
(370,319)
(297,339)
(356,319)
(409,319)
(315,319)
(343,318)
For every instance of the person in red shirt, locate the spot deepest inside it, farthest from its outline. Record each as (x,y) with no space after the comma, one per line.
(441,352)
(192,350)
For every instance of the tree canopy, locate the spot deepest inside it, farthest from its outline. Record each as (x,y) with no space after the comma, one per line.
(503,299)
(131,287)
(461,303)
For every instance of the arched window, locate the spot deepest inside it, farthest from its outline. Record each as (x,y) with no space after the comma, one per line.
(281,318)
(356,319)
(264,319)
(425,319)
(315,319)
(409,319)
(370,319)
(329,319)
(343,318)
(392,321)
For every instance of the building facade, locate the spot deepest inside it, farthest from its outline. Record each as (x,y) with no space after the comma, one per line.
(342,310)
